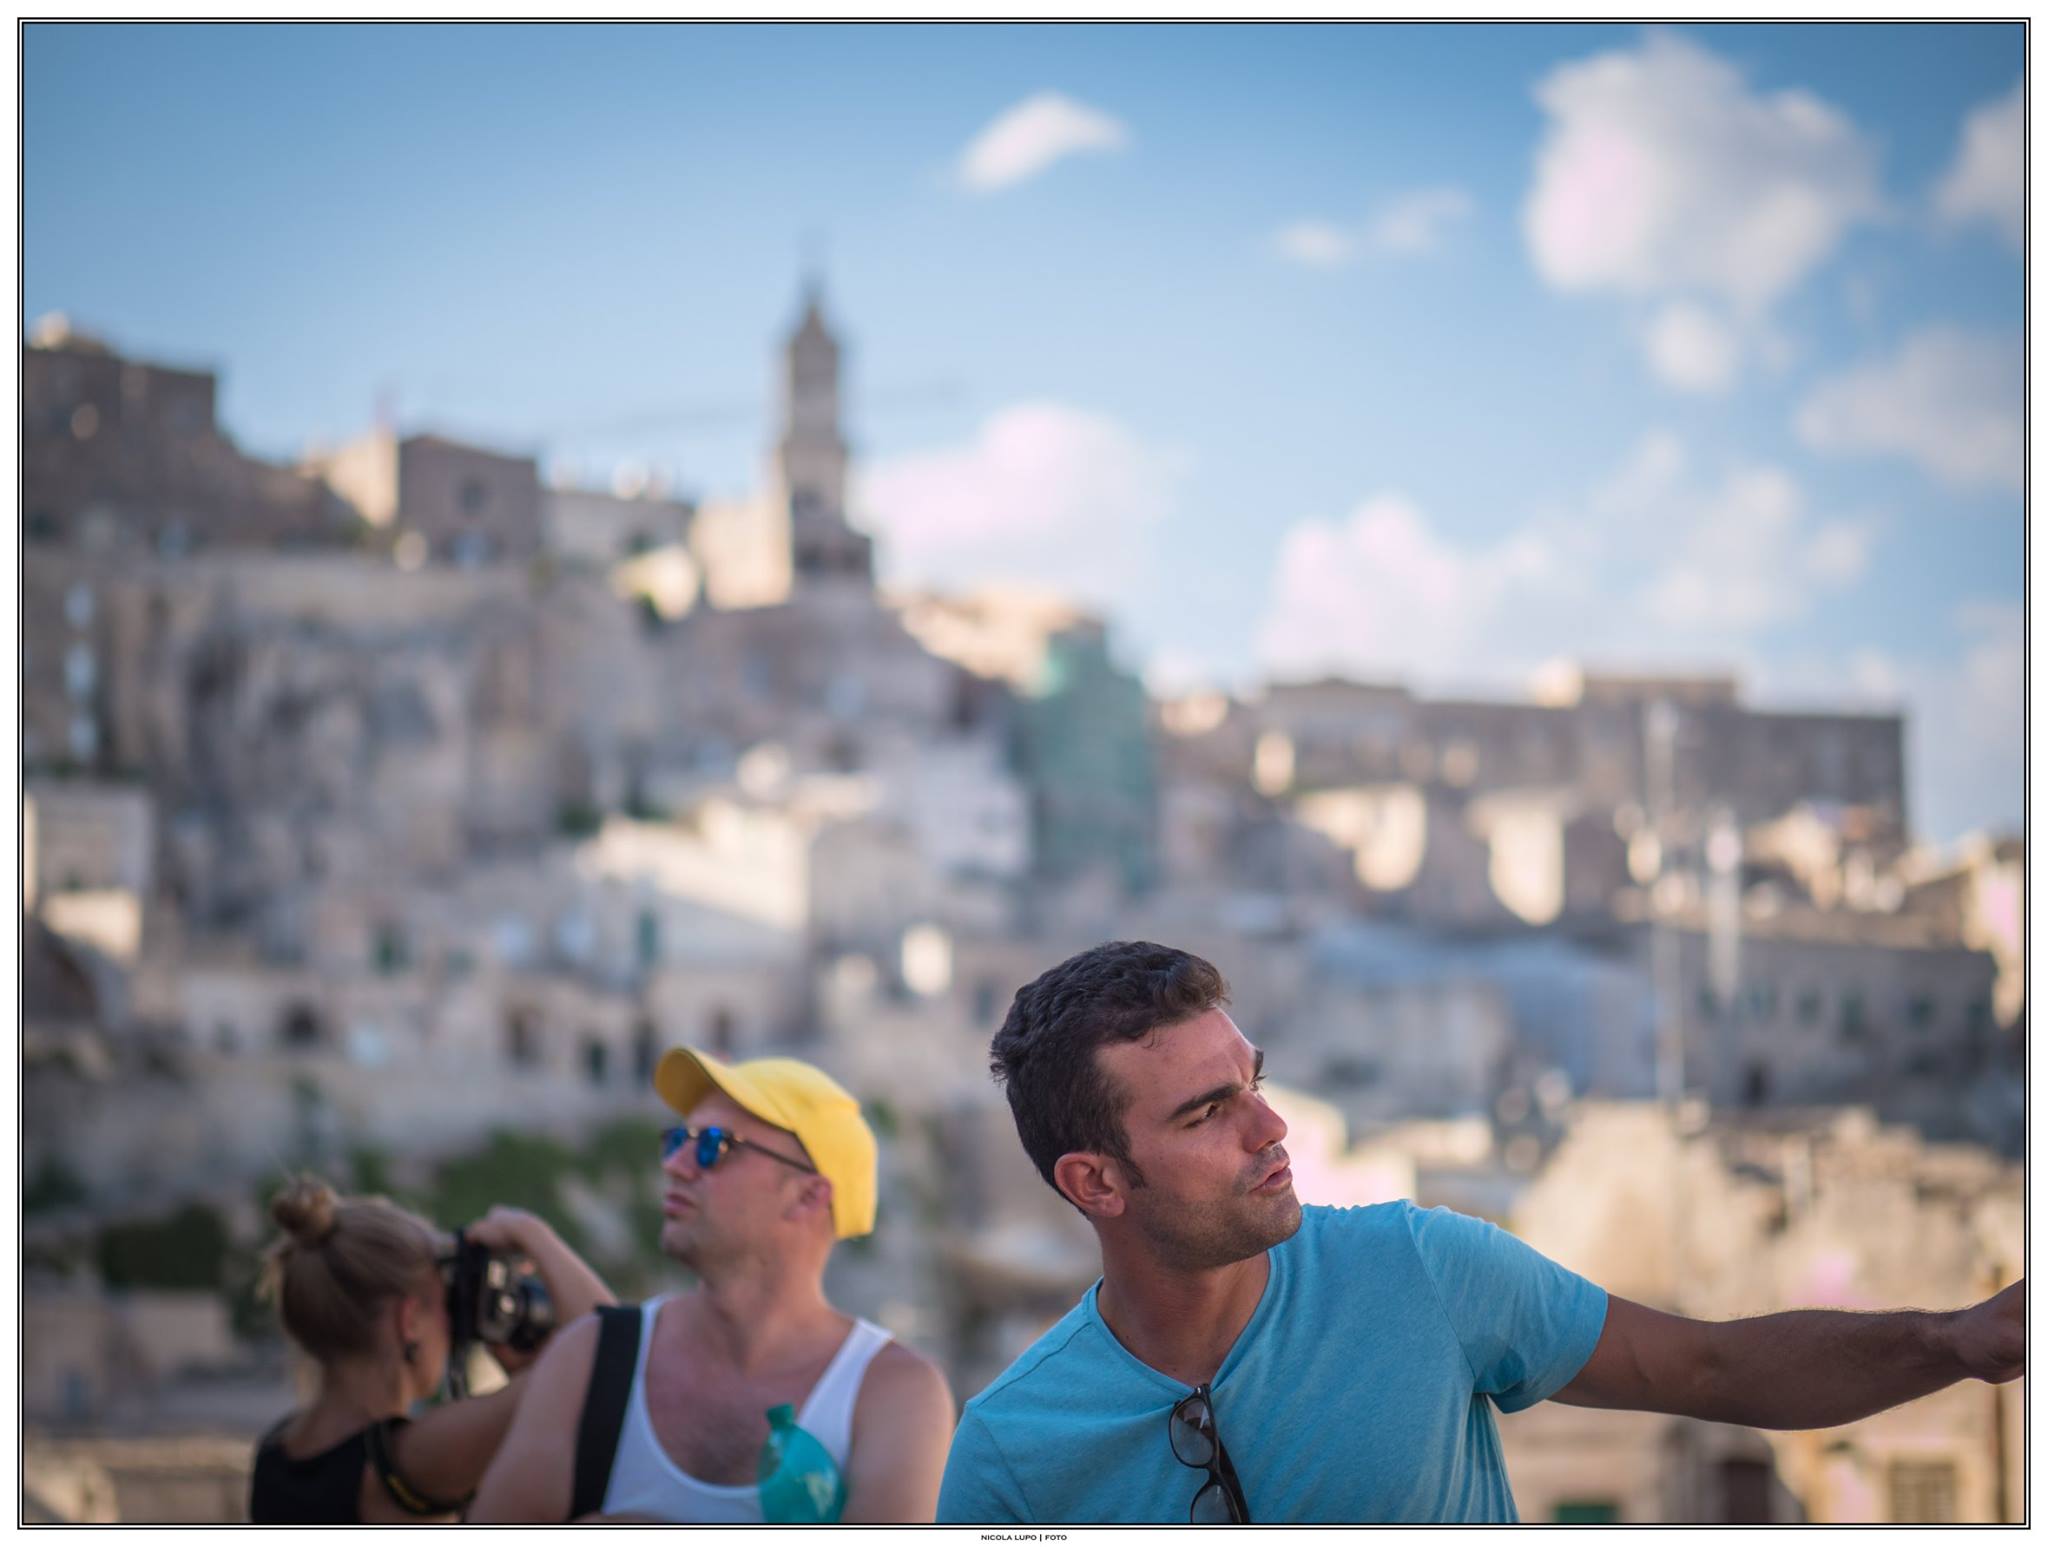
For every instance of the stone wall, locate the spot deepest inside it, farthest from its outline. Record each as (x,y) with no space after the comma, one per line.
(472,506)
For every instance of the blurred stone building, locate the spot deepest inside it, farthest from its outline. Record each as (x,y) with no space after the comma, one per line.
(396,798)
(1407,783)
(430,497)
(601,528)
(124,464)
(421,840)
(1746,1216)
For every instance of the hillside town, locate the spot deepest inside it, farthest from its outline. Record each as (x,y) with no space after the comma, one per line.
(401,803)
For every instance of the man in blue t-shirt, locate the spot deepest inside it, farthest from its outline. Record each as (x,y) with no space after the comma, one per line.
(1245,1359)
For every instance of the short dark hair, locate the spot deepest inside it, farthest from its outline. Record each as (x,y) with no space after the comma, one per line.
(1044,1055)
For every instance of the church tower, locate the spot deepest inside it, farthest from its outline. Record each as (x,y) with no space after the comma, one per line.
(812,453)
(811,456)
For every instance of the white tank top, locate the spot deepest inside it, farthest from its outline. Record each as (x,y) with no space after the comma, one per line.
(646,1482)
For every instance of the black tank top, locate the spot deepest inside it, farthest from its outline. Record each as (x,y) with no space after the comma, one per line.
(320,1490)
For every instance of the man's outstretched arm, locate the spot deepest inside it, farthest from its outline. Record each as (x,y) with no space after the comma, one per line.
(1797,1369)
(533,1475)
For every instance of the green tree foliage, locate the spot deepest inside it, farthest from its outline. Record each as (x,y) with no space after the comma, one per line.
(370,1171)
(577,819)
(521,1170)
(188,1250)
(630,1145)
(54,1186)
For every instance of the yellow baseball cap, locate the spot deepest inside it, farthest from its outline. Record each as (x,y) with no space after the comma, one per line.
(794,1095)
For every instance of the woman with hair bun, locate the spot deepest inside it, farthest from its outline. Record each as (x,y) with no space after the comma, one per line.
(359,1288)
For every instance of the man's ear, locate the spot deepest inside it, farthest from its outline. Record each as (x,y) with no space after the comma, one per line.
(815,1195)
(1092,1182)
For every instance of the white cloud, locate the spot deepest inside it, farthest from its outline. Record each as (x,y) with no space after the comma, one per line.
(1381,593)
(1662,176)
(1408,225)
(1988,180)
(1028,138)
(1415,223)
(1045,494)
(1664,569)
(1316,243)
(1838,554)
(1949,400)
(1994,674)
(1661,171)
(1726,551)
(1969,725)
(1746,557)
(1692,349)
(1651,472)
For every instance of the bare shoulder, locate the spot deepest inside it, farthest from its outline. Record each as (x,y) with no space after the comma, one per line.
(576,1341)
(566,1362)
(900,1362)
(902,1430)
(901,1380)
(530,1478)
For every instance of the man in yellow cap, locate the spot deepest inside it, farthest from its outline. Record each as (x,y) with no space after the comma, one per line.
(660,1411)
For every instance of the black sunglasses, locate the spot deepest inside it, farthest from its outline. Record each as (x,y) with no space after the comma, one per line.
(1191,1430)
(713,1143)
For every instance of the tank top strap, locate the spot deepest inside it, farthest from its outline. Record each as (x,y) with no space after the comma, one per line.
(650,1311)
(828,1410)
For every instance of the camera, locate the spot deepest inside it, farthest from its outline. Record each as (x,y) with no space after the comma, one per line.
(491,1301)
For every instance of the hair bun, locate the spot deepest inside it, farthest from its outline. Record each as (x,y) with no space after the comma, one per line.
(305,1210)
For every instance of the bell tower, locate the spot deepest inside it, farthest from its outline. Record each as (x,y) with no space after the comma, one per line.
(812,452)
(811,455)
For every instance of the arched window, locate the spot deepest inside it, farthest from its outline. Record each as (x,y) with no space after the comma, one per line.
(522,1038)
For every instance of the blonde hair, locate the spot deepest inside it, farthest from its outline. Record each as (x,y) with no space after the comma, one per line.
(340,1262)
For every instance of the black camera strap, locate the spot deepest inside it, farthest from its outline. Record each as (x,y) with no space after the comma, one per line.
(604,1406)
(401,1492)
(461,1318)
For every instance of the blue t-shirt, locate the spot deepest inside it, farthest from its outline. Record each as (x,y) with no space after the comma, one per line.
(1357,1392)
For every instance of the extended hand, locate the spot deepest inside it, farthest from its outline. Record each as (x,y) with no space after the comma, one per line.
(1991,1338)
(506,1230)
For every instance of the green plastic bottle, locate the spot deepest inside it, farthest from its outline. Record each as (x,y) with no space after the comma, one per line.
(799,1481)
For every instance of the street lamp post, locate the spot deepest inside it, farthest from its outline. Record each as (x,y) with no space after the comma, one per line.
(1660,731)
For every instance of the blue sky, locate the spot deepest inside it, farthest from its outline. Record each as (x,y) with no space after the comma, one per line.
(1430,353)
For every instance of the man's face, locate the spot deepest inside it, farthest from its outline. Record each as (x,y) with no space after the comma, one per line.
(731,1209)
(1218,1189)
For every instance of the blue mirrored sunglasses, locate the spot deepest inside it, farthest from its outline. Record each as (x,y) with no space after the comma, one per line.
(713,1145)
